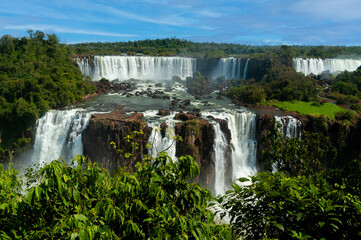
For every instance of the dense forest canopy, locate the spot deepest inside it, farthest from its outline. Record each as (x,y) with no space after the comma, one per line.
(174,46)
(36,74)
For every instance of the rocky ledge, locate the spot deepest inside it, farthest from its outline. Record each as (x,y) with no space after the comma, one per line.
(198,140)
(113,127)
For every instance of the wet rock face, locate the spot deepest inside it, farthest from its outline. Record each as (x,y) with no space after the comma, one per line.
(258,68)
(206,65)
(105,87)
(163,128)
(163,112)
(198,139)
(185,116)
(113,127)
(197,134)
(345,137)
(265,123)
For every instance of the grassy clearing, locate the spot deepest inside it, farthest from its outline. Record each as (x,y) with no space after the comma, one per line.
(310,108)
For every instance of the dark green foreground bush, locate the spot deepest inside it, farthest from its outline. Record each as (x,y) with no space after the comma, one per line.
(84,202)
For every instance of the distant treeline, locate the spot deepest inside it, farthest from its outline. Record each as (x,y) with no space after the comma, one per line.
(179,47)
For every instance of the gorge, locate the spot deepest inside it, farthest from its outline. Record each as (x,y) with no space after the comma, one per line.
(244,136)
(222,138)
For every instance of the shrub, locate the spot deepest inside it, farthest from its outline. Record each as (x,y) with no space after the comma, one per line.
(158,201)
(276,206)
(347,115)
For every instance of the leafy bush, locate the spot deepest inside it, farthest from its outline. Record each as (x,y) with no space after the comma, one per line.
(344,99)
(249,93)
(316,104)
(297,156)
(276,206)
(356,107)
(346,115)
(84,202)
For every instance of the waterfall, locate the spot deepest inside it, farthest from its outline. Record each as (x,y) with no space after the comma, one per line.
(290,126)
(317,66)
(137,67)
(245,70)
(242,126)
(220,148)
(244,144)
(58,134)
(230,68)
(157,142)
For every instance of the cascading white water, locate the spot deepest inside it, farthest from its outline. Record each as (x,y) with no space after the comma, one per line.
(242,126)
(220,148)
(137,67)
(317,66)
(230,68)
(160,143)
(245,70)
(290,126)
(157,142)
(244,144)
(58,134)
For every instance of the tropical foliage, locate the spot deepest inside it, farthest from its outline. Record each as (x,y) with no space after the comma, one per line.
(158,201)
(36,74)
(307,196)
(280,83)
(347,87)
(199,85)
(277,206)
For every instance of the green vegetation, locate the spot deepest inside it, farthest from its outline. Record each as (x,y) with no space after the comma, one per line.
(81,202)
(174,46)
(346,88)
(310,154)
(277,206)
(280,83)
(310,108)
(309,197)
(36,74)
(199,85)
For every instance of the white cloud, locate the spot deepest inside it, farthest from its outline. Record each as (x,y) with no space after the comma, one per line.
(173,20)
(207,13)
(66,30)
(330,9)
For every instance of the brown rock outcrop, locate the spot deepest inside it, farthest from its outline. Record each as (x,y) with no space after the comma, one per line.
(113,127)
(198,139)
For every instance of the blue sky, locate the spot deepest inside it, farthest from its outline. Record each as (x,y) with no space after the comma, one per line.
(254,22)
